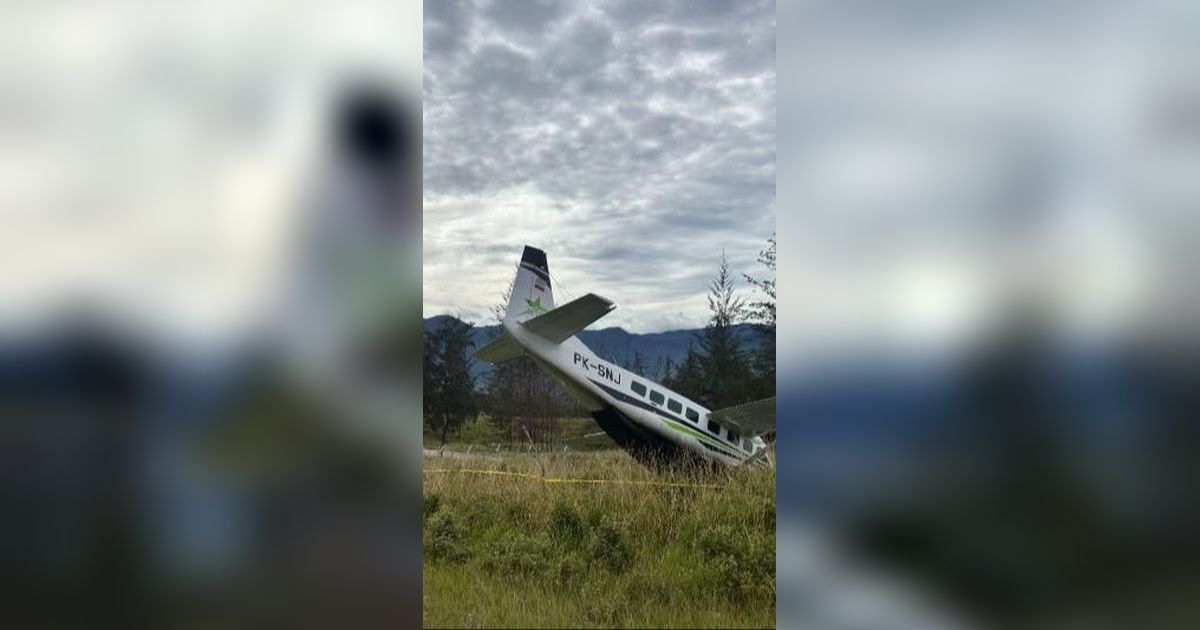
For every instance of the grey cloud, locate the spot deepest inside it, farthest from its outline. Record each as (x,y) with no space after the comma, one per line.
(528,17)
(629,14)
(499,70)
(446,26)
(582,51)
(634,141)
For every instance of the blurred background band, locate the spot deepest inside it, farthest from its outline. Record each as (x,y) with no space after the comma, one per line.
(209,395)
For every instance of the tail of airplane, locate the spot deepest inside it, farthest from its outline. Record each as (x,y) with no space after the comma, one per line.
(532,306)
(532,294)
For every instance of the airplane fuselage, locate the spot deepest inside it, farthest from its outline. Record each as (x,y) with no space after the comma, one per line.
(647,419)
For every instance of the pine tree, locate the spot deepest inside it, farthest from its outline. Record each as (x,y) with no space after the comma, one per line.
(762,314)
(725,366)
(449,396)
(688,377)
(716,370)
(763,311)
(459,384)
(431,377)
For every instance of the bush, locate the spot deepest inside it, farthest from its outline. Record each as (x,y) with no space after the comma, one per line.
(743,565)
(444,538)
(570,570)
(611,549)
(479,430)
(648,589)
(565,524)
(517,554)
(486,514)
(431,504)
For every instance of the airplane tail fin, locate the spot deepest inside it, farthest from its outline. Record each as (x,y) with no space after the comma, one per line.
(531,291)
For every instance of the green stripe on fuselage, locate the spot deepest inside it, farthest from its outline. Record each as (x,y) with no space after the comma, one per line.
(683,429)
(662,417)
(698,435)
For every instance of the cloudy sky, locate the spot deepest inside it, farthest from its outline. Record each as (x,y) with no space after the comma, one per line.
(155,159)
(632,141)
(964,165)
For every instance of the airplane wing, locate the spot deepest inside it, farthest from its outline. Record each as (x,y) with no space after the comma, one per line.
(500,349)
(750,419)
(560,324)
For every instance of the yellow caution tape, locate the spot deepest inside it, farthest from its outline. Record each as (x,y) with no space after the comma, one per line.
(560,480)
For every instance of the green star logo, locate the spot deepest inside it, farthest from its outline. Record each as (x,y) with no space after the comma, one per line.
(533,307)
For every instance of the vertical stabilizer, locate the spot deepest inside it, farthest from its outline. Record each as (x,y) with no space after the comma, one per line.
(531,292)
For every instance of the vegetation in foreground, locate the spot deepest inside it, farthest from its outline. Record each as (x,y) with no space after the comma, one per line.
(481,434)
(519,552)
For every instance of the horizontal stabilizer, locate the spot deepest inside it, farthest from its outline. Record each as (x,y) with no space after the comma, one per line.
(500,349)
(749,419)
(561,323)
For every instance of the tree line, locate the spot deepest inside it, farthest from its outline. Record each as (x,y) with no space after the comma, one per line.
(723,365)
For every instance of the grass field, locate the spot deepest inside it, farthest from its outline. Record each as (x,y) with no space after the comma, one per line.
(578,434)
(520,552)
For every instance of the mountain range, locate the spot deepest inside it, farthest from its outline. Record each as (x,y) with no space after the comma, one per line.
(613,344)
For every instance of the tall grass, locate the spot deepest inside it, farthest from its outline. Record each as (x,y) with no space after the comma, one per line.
(517,552)
(480,431)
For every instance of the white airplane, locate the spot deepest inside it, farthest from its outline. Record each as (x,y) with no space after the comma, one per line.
(653,423)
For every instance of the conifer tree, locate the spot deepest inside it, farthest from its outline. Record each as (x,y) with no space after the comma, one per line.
(762,314)
(725,365)
(716,370)
(449,394)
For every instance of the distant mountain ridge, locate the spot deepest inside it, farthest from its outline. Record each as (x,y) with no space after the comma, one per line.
(613,344)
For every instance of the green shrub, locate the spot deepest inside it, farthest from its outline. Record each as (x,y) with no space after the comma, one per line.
(431,504)
(565,524)
(517,554)
(570,570)
(485,514)
(743,564)
(444,538)
(647,589)
(596,514)
(479,430)
(610,548)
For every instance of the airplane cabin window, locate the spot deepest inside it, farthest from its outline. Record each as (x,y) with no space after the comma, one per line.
(692,415)
(638,388)
(675,406)
(656,397)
